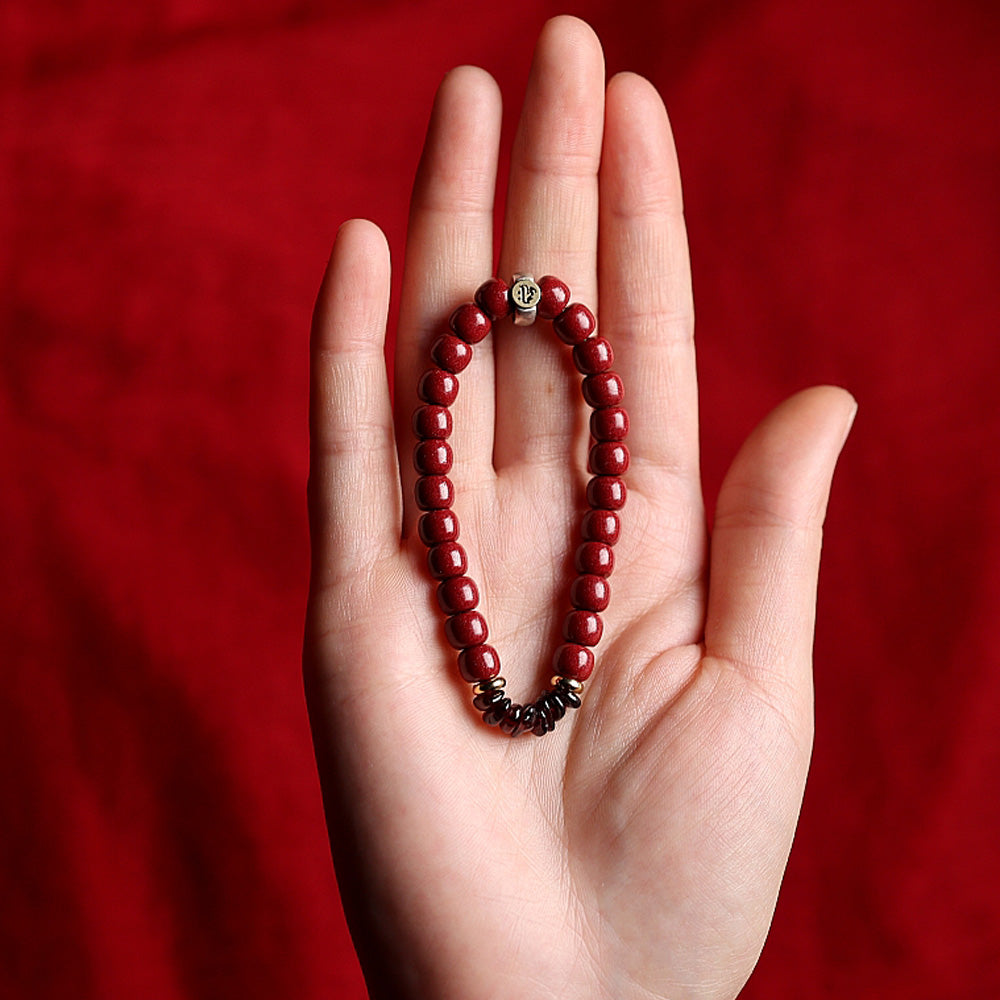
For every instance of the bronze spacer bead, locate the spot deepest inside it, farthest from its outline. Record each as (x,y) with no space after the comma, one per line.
(493,684)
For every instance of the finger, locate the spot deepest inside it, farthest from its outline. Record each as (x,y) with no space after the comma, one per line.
(646,307)
(550,227)
(449,252)
(766,541)
(354,493)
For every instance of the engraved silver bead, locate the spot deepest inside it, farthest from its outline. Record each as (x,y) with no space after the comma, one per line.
(524,297)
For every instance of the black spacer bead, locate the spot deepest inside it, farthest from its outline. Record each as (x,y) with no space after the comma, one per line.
(485,701)
(528,717)
(544,723)
(511,722)
(556,704)
(571,698)
(493,715)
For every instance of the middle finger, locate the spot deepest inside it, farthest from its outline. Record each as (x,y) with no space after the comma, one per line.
(550,227)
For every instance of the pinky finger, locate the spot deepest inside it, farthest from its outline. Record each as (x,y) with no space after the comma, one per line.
(355,508)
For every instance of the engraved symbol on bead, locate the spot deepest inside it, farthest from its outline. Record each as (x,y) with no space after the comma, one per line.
(525,296)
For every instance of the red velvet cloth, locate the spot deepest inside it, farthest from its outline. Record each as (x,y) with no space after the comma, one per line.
(171,176)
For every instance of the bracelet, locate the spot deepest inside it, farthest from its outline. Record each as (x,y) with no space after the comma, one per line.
(457,594)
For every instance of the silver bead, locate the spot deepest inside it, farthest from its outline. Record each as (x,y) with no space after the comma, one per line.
(524,297)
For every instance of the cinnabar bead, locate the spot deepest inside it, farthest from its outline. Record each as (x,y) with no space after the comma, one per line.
(491,297)
(608,458)
(601,526)
(593,356)
(606,492)
(573,661)
(438,526)
(447,559)
(604,389)
(432,457)
(492,716)
(450,353)
(555,297)
(434,492)
(466,629)
(574,324)
(457,594)
(590,592)
(609,424)
(480,663)
(432,422)
(470,323)
(583,627)
(437,386)
(596,558)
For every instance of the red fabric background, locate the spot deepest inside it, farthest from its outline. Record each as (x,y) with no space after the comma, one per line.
(171,176)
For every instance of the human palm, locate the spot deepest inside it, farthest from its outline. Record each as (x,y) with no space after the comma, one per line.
(637,850)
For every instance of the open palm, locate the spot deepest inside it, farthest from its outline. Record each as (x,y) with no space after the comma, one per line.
(637,851)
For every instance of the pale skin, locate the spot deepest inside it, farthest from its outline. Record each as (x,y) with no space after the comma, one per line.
(637,851)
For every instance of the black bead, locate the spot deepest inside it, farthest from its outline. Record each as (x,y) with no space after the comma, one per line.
(488,699)
(511,722)
(570,697)
(493,715)
(544,723)
(528,717)
(555,702)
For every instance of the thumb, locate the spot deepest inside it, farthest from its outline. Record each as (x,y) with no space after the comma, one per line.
(766,541)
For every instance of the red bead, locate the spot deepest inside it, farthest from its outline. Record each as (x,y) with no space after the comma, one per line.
(573,661)
(432,422)
(438,526)
(583,627)
(608,458)
(555,297)
(457,594)
(491,297)
(593,356)
(605,389)
(590,592)
(432,457)
(478,663)
(434,492)
(447,559)
(596,558)
(606,492)
(450,353)
(470,323)
(438,387)
(601,526)
(466,629)
(610,424)
(574,324)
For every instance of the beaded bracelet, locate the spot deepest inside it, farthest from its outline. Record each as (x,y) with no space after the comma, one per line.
(457,593)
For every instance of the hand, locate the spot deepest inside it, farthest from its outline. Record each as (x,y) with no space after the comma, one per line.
(637,850)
